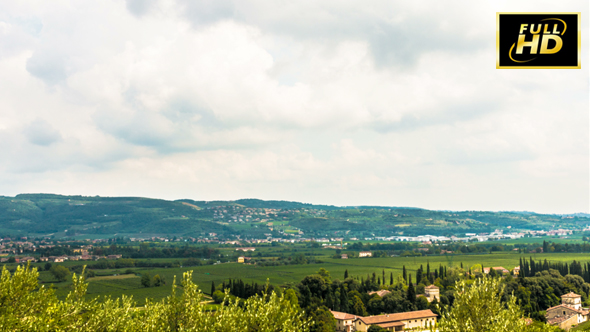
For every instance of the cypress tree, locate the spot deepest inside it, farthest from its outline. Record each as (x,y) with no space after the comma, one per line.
(343,299)
(212,287)
(391,278)
(404,274)
(329,300)
(411,294)
(545,247)
(419,275)
(383,277)
(346,274)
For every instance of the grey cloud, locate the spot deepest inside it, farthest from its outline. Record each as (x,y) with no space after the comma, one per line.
(140,7)
(182,111)
(48,67)
(40,132)
(392,42)
(207,11)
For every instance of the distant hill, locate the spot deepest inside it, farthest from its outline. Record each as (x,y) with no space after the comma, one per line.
(94,216)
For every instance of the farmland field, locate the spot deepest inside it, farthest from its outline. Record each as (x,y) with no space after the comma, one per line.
(106,284)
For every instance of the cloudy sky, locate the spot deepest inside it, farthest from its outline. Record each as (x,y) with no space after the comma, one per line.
(392,103)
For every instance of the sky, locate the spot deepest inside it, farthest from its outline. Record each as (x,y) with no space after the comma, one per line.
(391,103)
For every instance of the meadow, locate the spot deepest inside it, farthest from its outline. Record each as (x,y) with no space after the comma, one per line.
(114,283)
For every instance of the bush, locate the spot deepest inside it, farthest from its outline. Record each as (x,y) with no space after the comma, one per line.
(24,306)
(146,280)
(60,272)
(218,296)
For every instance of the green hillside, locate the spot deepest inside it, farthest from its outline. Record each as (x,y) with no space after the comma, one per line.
(95,217)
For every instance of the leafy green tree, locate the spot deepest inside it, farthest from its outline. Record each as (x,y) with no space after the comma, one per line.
(24,306)
(157,281)
(323,320)
(60,272)
(376,328)
(358,307)
(218,296)
(325,274)
(146,281)
(422,303)
(47,266)
(478,308)
(291,297)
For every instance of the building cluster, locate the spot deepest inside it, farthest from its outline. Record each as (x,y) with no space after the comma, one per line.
(59,259)
(569,313)
(416,320)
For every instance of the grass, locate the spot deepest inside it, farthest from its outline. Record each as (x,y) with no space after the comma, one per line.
(107,284)
(582,327)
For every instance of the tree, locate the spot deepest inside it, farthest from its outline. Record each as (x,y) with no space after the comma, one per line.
(291,297)
(47,266)
(146,280)
(323,320)
(411,294)
(26,306)
(218,296)
(60,272)
(376,328)
(157,281)
(346,274)
(478,307)
(325,274)
(212,287)
(404,274)
(358,307)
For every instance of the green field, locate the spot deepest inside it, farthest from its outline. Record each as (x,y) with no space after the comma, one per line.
(284,274)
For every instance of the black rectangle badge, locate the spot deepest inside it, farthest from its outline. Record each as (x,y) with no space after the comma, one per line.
(538,41)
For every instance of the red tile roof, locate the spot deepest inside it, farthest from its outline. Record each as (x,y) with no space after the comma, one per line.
(581,312)
(342,315)
(397,317)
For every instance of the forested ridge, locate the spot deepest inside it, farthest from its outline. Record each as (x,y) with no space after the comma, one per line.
(62,216)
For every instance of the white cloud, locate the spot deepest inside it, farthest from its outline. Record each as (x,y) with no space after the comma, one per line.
(387,103)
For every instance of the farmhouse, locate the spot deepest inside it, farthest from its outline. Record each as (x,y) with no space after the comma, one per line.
(344,321)
(563,314)
(365,254)
(432,292)
(421,319)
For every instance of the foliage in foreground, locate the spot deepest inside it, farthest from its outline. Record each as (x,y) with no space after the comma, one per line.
(478,307)
(24,306)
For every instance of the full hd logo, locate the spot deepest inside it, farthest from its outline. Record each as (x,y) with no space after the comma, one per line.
(538,40)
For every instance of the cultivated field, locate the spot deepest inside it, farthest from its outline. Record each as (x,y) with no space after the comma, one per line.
(106,284)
